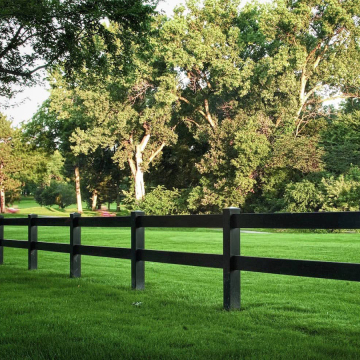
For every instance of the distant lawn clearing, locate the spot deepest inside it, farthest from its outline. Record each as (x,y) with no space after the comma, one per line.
(47,315)
(27,205)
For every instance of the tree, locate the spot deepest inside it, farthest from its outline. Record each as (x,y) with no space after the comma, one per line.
(102,179)
(10,161)
(277,62)
(240,92)
(202,44)
(310,54)
(229,169)
(41,34)
(51,133)
(131,115)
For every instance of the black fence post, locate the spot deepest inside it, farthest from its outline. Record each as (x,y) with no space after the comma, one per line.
(137,242)
(32,238)
(75,239)
(231,246)
(1,238)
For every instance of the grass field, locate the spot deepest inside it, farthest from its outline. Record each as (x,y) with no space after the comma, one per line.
(47,315)
(27,205)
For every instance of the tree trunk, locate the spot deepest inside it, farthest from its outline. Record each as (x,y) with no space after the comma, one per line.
(139,176)
(139,185)
(78,192)
(117,198)
(2,200)
(94,200)
(2,193)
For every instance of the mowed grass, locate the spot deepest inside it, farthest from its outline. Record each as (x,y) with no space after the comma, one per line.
(27,205)
(47,315)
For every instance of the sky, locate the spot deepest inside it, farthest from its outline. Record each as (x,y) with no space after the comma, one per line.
(25,104)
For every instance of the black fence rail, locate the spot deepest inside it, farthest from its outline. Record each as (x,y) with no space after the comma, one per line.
(230,260)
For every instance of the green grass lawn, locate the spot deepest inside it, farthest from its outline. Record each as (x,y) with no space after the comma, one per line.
(27,205)
(47,315)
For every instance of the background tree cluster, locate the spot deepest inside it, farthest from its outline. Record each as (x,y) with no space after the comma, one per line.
(224,106)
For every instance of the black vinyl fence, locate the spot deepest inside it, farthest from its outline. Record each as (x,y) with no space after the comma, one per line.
(230,261)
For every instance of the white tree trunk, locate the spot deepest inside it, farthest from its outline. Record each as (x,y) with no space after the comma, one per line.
(139,185)
(77,188)
(139,176)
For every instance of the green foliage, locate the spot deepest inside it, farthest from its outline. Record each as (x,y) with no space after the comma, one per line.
(341,142)
(56,193)
(38,196)
(65,32)
(238,150)
(342,193)
(130,116)
(326,193)
(303,196)
(300,154)
(11,162)
(159,201)
(312,54)
(51,129)
(66,195)
(225,102)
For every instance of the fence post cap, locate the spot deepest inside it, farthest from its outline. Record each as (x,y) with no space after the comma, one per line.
(75,214)
(137,213)
(231,209)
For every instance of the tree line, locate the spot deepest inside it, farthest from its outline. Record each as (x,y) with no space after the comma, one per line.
(217,106)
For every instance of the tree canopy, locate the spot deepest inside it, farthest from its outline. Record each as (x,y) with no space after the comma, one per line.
(227,103)
(40,34)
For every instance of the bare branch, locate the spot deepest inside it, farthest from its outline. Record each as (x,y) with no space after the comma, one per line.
(144,142)
(343,96)
(184,100)
(157,152)
(309,93)
(132,166)
(26,74)
(208,115)
(192,121)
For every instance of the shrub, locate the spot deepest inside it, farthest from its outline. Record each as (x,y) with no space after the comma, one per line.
(303,196)
(56,193)
(49,194)
(343,192)
(66,195)
(328,193)
(159,201)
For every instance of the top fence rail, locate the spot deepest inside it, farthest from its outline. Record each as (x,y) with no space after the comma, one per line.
(328,220)
(190,221)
